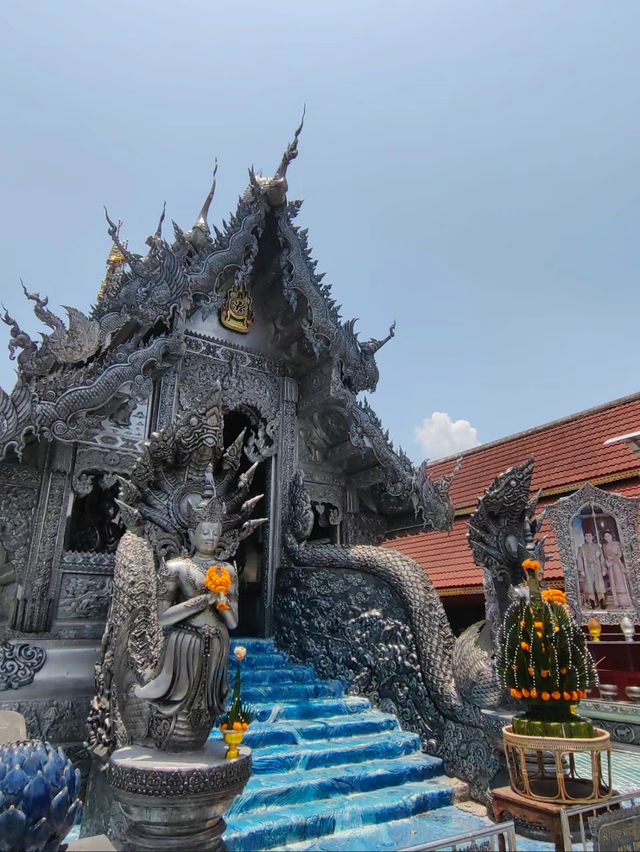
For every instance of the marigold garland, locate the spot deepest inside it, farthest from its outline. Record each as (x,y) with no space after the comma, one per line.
(554,596)
(218,580)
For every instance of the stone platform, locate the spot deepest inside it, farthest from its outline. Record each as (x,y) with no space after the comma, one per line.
(176,801)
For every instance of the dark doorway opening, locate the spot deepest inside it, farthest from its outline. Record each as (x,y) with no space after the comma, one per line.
(249,557)
(95,525)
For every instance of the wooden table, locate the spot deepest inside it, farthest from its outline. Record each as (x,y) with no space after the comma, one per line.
(531,810)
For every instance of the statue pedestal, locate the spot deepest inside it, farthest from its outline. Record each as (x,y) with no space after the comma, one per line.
(175,801)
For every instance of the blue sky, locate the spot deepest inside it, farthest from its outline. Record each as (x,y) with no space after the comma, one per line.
(470,169)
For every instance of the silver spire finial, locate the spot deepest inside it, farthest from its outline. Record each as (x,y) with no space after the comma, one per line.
(201,221)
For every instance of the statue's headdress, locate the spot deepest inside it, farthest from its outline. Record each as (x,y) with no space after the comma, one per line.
(185,476)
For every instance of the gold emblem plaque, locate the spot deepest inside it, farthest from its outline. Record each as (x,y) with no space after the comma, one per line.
(236,312)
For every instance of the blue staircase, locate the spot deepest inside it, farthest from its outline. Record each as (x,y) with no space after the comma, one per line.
(329,771)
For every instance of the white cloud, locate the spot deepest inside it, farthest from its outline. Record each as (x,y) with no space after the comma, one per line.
(441,436)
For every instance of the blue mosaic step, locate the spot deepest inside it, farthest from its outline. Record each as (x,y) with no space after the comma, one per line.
(323,763)
(259,661)
(292,691)
(282,758)
(280,733)
(316,709)
(262,829)
(255,646)
(396,834)
(269,676)
(303,785)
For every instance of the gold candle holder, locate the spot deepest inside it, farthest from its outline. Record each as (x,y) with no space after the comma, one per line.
(595,628)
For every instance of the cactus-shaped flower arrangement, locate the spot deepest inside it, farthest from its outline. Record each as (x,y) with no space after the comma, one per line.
(237,719)
(543,661)
(38,789)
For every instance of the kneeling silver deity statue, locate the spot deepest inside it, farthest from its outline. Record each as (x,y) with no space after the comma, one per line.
(162,679)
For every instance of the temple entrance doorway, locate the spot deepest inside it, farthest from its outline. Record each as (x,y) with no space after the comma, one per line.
(250,557)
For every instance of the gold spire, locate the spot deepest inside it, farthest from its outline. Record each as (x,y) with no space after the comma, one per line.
(115,260)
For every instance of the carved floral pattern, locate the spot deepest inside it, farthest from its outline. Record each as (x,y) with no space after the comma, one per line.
(19,663)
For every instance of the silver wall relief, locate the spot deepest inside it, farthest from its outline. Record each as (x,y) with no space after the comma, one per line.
(84,596)
(18,500)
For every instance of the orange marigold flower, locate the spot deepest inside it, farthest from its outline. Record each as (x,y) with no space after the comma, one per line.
(525,693)
(554,596)
(525,647)
(539,634)
(582,693)
(538,625)
(531,671)
(534,693)
(218,579)
(522,623)
(244,726)
(222,605)
(516,693)
(531,565)
(544,672)
(563,670)
(556,695)
(545,696)
(237,726)
(574,695)
(556,628)
(566,695)
(223,726)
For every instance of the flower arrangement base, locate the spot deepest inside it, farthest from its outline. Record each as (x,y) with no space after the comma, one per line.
(544,768)
(570,727)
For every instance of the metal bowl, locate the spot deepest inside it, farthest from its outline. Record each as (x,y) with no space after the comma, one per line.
(633,693)
(608,691)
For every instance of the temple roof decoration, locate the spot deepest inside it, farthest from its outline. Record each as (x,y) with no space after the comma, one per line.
(148,303)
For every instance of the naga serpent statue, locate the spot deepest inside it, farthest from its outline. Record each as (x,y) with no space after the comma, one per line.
(384,630)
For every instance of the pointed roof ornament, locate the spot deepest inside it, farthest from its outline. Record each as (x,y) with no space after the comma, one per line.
(115,257)
(158,233)
(292,149)
(134,260)
(201,221)
(274,189)
(155,242)
(372,346)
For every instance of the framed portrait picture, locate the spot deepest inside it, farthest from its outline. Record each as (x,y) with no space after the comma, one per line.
(597,537)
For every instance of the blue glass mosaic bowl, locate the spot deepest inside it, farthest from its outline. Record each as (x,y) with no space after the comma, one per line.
(38,790)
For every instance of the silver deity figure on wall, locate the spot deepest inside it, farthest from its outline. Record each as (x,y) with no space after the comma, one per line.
(162,679)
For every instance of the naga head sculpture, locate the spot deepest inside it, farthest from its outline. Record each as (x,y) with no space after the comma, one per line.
(173,490)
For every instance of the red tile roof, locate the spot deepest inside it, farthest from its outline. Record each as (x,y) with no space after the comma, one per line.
(567,453)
